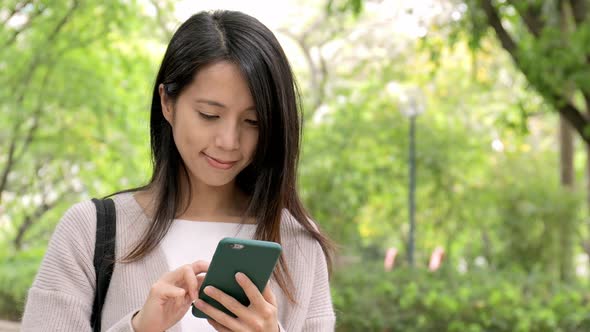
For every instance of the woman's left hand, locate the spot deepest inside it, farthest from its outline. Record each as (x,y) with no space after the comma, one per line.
(260,315)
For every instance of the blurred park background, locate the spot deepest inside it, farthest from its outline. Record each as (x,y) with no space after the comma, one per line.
(494,94)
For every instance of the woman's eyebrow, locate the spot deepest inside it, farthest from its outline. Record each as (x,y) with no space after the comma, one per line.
(220,105)
(210,103)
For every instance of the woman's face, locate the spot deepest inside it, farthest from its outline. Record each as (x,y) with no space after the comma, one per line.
(214,124)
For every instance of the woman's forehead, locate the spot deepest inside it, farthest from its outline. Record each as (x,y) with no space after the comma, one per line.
(221,85)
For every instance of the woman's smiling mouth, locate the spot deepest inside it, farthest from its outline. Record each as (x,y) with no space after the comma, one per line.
(217,163)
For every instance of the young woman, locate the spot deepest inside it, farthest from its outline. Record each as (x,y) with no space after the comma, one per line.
(225,134)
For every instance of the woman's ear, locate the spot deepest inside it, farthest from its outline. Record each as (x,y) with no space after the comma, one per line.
(166,104)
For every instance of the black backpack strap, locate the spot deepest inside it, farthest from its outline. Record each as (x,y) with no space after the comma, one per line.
(104,255)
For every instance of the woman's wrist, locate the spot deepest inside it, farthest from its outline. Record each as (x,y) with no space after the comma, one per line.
(135,322)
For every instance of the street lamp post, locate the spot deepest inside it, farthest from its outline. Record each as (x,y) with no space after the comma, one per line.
(411,103)
(412,189)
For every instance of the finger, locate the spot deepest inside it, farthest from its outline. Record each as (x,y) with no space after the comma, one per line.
(217,326)
(200,279)
(183,277)
(229,302)
(190,280)
(250,289)
(200,267)
(165,290)
(219,316)
(177,276)
(269,296)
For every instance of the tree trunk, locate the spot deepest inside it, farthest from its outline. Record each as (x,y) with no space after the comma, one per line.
(566,153)
(586,242)
(566,165)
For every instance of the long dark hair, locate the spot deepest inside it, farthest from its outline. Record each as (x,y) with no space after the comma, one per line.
(270,180)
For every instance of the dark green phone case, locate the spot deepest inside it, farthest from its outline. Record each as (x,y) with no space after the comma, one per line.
(256,259)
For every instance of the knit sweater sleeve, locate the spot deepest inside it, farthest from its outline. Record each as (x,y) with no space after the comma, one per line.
(62,293)
(320,314)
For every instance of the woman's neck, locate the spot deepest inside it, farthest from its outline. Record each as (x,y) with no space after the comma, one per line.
(210,203)
(205,203)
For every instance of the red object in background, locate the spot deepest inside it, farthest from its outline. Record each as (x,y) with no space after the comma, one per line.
(436,259)
(390,259)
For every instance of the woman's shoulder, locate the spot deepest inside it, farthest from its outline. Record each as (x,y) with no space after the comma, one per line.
(290,224)
(81,216)
(75,230)
(293,233)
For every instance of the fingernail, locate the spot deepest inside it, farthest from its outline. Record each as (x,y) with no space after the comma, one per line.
(208,290)
(239,275)
(200,304)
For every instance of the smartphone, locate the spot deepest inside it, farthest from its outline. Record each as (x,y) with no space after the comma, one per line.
(255,258)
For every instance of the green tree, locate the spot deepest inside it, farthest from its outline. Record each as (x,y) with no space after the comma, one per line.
(548,44)
(77,77)
(555,60)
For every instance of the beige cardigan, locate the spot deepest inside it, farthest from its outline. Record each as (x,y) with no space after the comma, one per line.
(62,294)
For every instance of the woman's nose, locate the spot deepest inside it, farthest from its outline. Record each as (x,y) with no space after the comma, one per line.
(228,136)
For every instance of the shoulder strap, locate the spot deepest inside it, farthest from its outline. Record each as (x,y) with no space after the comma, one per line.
(104,255)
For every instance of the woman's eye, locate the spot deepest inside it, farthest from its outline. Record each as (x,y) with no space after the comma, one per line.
(252,122)
(208,116)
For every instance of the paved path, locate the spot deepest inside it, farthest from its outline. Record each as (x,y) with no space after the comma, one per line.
(6,326)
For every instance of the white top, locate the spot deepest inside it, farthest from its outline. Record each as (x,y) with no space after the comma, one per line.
(189,241)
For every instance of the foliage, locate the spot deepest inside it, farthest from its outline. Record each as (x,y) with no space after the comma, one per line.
(17,272)
(368,299)
(539,221)
(547,41)
(354,6)
(354,166)
(75,117)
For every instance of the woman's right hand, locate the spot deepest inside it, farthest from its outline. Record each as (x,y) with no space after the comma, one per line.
(170,298)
